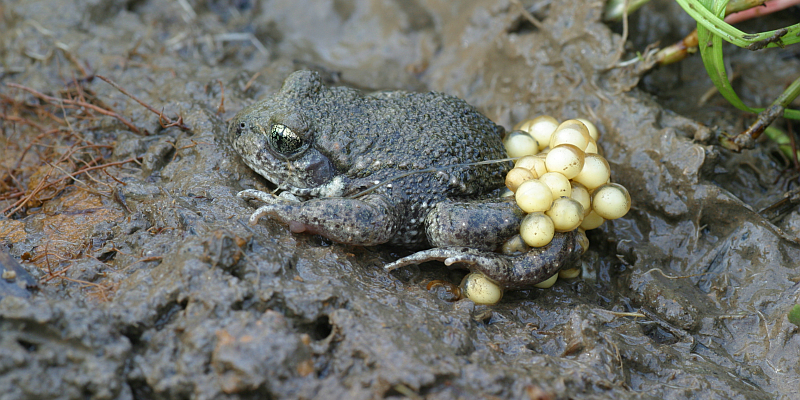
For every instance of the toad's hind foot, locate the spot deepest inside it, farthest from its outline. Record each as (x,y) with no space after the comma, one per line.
(511,272)
(252,194)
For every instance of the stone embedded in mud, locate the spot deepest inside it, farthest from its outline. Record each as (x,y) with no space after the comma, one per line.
(14,280)
(250,354)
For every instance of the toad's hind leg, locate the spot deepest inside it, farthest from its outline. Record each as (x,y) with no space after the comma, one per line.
(511,272)
(483,225)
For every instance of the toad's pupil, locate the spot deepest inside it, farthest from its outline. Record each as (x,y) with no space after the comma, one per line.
(283,140)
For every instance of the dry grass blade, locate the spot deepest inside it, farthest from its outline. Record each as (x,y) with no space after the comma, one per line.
(78,103)
(162,118)
(21,203)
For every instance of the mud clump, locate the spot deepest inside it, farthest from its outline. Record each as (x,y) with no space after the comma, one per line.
(152,285)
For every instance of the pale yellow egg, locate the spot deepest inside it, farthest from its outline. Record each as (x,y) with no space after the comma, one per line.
(548,283)
(573,132)
(519,144)
(566,213)
(611,201)
(536,229)
(558,183)
(595,172)
(516,177)
(566,159)
(592,221)
(534,195)
(541,128)
(480,289)
(593,132)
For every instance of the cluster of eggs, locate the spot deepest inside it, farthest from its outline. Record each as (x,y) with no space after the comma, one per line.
(562,183)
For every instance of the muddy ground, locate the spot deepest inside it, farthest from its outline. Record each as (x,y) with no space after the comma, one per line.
(152,286)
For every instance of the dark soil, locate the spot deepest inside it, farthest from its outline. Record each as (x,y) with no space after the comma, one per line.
(147,283)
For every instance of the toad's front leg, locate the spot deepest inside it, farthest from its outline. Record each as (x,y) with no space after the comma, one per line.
(368,221)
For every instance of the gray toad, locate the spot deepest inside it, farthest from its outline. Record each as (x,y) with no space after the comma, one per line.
(390,167)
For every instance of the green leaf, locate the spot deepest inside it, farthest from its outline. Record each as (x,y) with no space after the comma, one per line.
(711,15)
(794,315)
(710,45)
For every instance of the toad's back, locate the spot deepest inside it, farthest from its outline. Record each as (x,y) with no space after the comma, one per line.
(386,134)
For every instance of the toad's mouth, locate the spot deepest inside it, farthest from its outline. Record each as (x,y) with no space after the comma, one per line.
(334,188)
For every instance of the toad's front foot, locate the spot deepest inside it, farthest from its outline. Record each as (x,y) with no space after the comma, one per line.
(510,272)
(269,198)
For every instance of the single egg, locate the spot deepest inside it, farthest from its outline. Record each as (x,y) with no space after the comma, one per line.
(522,124)
(519,143)
(566,159)
(583,240)
(515,245)
(535,164)
(572,132)
(541,128)
(480,289)
(548,283)
(581,195)
(595,172)
(567,214)
(592,221)
(593,132)
(534,195)
(558,183)
(591,148)
(611,201)
(536,229)
(525,162)
(516,177)
(569,273)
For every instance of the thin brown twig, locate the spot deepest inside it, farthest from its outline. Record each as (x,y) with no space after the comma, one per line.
(527,15)
(25,121)
(221,108)
(21,203)
(43,255)
(27,198)
(47,259)
(17,182)
(74,60)
(33,142)
(145,105)
(103,111)
(42,113)
(113,177)
(178,123)
(99,182)
(251,80)
(12,196)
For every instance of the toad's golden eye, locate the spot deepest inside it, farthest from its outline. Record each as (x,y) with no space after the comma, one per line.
(283,140)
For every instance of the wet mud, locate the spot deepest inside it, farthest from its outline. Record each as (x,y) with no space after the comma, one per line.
(142,279)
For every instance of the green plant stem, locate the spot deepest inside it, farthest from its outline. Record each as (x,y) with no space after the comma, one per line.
(615,9)
(710,14)
(783,141)
(710,46)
